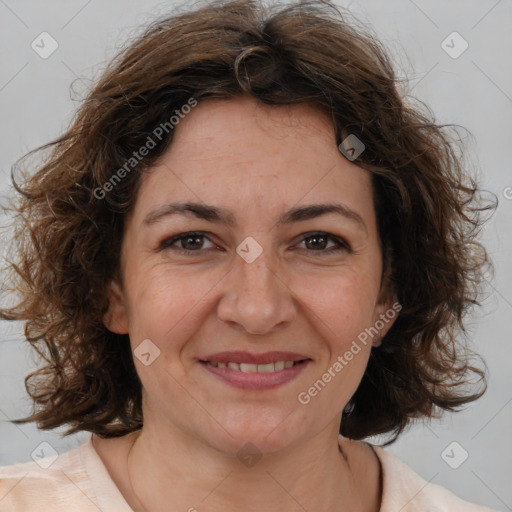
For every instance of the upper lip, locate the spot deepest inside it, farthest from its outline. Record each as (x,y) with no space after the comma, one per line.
(240,356)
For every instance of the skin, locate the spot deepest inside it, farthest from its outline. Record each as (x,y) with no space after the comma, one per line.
(257,162)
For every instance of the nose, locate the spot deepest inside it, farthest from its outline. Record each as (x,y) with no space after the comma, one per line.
(257,298)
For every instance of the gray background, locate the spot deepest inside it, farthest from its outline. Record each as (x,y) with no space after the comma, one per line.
(473,90)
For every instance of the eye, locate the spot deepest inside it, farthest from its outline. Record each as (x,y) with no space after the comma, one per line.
(190,242)
(319,242)
(193,242)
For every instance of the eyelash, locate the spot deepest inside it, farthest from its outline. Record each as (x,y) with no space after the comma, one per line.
(341,244)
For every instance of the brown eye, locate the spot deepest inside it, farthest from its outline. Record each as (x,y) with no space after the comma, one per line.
(319,242)
(192,242)
(186,242)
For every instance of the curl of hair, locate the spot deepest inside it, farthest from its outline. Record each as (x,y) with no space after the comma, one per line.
(66,242)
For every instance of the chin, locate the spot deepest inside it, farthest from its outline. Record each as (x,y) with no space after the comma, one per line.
(266,436)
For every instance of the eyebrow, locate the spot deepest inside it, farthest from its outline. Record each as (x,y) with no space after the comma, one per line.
(220,216)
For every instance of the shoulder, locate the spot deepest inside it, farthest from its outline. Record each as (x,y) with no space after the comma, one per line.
(405,490)
(51,482)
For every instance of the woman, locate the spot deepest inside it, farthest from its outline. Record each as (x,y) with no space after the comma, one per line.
(245,256)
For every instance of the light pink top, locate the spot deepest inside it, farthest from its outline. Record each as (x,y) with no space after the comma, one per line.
(78,481)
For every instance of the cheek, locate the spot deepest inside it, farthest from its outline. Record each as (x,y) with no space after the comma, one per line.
(343,302)
(164,304)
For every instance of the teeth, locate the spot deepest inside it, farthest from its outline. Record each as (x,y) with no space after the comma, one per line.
(256,368)
(264,368)
(248,368)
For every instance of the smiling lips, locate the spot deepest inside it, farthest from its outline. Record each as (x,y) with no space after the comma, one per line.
(255,368)
(255,371)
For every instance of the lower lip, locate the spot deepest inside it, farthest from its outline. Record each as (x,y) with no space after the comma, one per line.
(256,380)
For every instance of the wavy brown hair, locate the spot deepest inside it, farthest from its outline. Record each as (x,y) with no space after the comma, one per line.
(66,244)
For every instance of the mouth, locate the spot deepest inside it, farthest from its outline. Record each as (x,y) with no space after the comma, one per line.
(255,371)
(255,368)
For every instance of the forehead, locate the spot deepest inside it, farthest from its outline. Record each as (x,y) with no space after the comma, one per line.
(242,153)
(243,128)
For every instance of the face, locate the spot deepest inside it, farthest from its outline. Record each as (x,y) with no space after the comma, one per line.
(263,278)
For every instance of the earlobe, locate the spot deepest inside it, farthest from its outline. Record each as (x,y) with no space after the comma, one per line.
(386,312)
(115,319)
(377,342)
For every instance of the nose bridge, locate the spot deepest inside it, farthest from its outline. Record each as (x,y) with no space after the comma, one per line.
(258,299)
(259,278)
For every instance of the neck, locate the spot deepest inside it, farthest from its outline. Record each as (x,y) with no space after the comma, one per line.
(180,473)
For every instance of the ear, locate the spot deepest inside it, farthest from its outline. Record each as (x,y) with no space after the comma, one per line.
(386,311)
(116,318)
